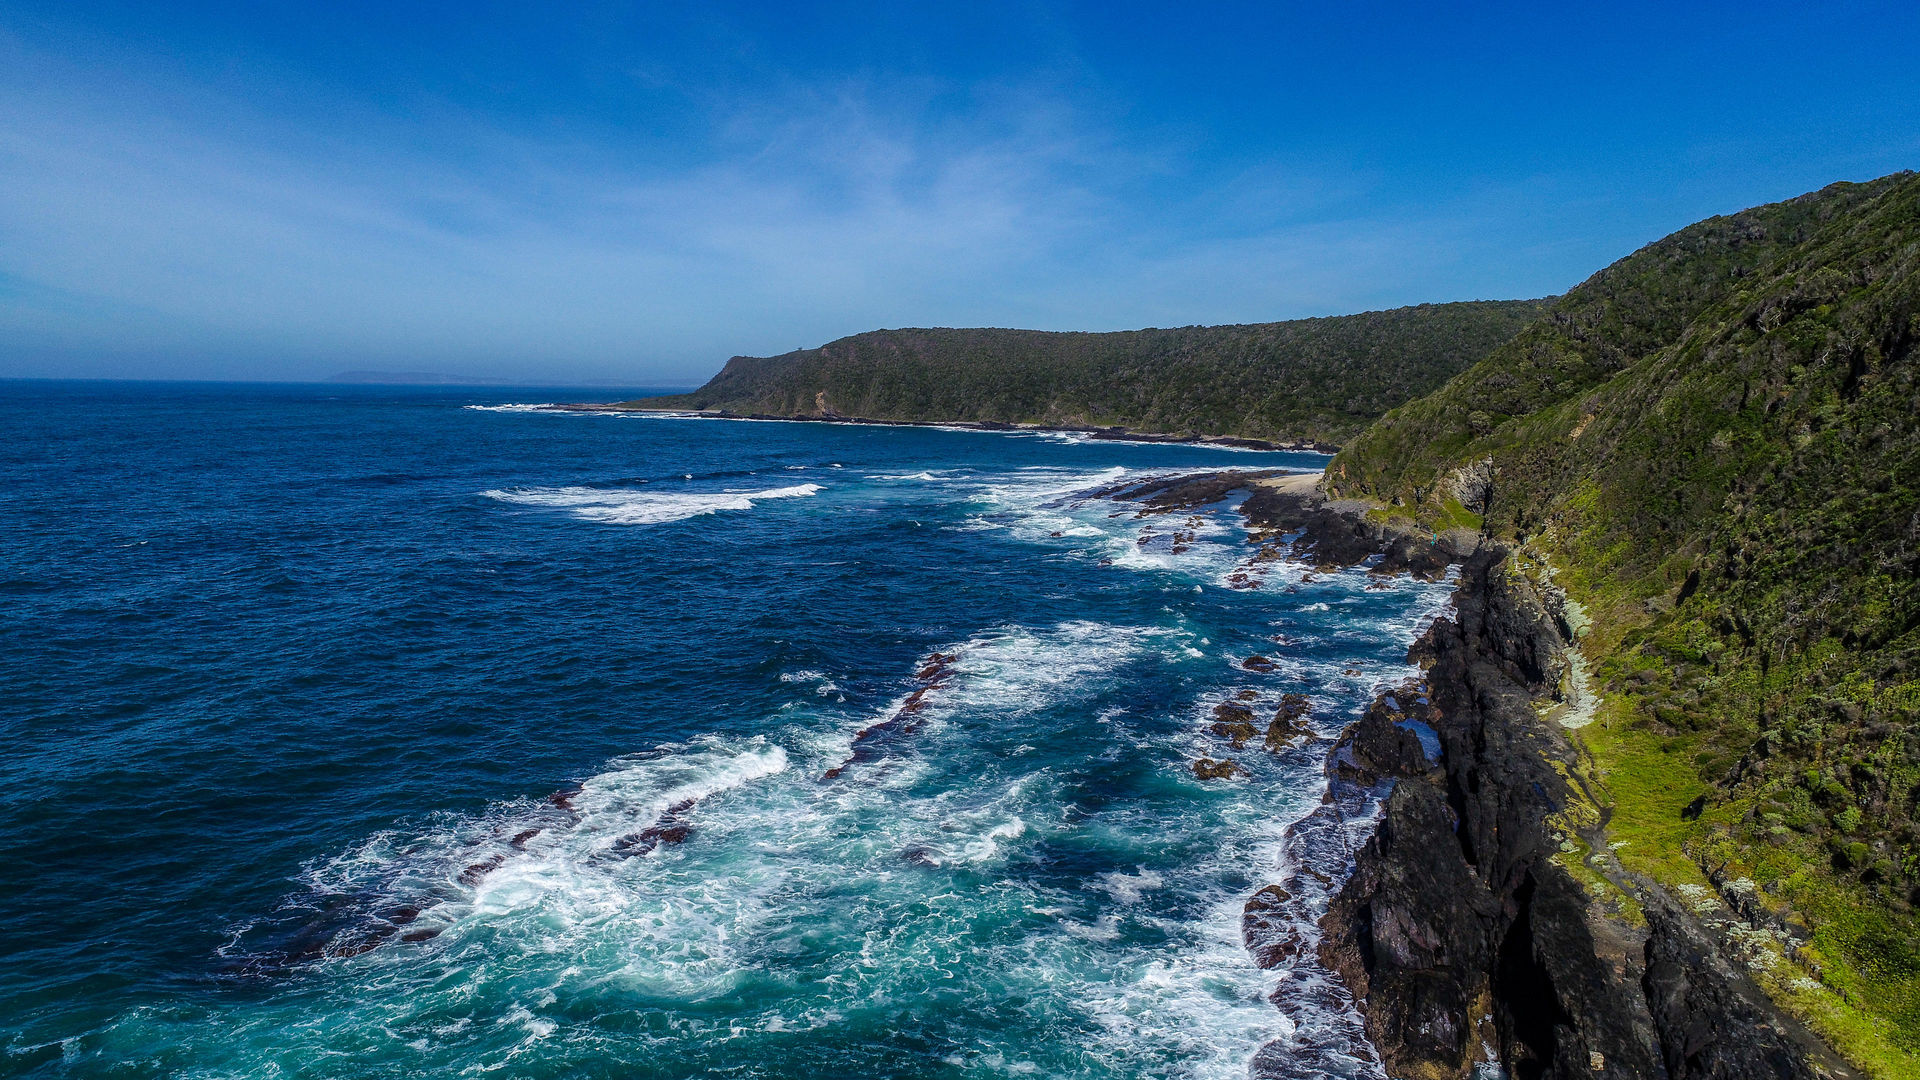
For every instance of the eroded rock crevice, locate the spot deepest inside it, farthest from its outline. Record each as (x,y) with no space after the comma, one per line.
(1463,934)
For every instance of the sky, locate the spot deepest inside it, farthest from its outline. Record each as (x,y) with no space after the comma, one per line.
(631,193)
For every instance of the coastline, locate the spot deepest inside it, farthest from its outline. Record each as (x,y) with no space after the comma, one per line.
(1094,432)
(1489,921)
(1280,922)
(1467,902)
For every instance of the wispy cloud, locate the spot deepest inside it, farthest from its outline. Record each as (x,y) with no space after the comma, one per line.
(638,191)
(207,241)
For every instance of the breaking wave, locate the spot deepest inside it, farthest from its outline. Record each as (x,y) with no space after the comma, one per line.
(627,507)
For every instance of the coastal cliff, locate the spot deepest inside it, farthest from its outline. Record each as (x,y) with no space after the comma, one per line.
(1486,928)
(1486,924)
(1675,812)
(1705,460)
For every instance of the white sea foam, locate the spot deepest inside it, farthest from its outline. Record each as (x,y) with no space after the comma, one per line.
(543,874)
(924,873)
(512,408)
(624,506)
(822,686)
(1017,670)
(1128,888)
(1046,505)
(1075,438)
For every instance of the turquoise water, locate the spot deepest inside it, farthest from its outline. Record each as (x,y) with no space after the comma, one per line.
(380,733)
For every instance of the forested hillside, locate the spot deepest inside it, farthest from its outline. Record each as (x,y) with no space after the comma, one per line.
(1714,446)
(1319,380)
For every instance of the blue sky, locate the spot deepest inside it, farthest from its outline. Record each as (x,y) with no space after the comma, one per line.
(633,192)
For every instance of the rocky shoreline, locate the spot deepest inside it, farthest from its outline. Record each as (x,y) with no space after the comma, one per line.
(1483,930)
(1105,434)
(1466,928)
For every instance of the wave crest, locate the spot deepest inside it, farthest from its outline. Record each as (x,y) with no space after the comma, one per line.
(614,506)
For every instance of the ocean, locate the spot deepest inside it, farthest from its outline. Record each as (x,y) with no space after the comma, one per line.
(395,732)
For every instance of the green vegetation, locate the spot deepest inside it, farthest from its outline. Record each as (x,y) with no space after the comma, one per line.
(1716,441)
(1716,444)
(1321,380)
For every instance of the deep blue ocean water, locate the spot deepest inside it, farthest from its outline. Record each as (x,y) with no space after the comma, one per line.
(364,732)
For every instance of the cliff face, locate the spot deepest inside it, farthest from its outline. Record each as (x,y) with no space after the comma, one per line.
(1487,928)
(1464,931)
(1713,443)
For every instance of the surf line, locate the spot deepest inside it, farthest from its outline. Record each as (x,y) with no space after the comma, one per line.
(934,672)
(355,924)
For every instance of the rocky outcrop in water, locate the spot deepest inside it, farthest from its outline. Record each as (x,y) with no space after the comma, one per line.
(869,741)
(1330,534)
(1209,769)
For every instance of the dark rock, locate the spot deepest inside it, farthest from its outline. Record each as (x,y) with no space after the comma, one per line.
(933,672)
(1422,556)
(1458,928)
(473,874)
(1509,622)
(938,666)
(1233,722)
(1209,769)
(1566,1006)
(1233,712)
(1325,534)
(1289,725)
(1714,1023)
(1258,663)
(670,833)
(670,828)
(1331,535)
(1375,748)
(1409,936)
(1169,494)
(1270,923)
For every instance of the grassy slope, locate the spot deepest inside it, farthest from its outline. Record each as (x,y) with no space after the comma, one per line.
(1716,442)
(1319,379)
